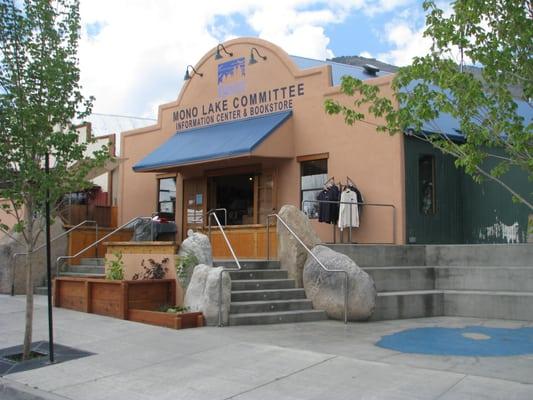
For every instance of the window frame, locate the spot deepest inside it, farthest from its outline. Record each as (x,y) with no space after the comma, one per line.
(432,210)
(159,201)
(307,159)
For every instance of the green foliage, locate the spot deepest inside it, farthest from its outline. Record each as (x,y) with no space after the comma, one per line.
(184,265)
(115,268)
(40,97)
(173,309)
(495,34)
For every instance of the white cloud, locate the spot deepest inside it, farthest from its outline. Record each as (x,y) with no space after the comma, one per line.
(408,43)
(133,53)
(406,34)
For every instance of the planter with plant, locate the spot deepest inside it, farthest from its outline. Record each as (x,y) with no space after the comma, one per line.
(176,317)
(114,296)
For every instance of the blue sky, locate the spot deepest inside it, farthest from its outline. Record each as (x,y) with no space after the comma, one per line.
(133,53)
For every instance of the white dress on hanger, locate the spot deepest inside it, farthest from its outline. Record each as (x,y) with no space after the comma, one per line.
(348,196)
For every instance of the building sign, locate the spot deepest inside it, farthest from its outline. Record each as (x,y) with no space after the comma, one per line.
(237,107)
(231,76)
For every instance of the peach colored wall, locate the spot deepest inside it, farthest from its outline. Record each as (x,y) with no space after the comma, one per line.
(374,161)
(5,218)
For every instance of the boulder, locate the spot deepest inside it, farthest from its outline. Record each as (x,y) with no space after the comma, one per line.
(291,253)
(199,245)
(203,293)
(326,289)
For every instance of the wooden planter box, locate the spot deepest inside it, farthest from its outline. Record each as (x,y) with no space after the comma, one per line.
(113,298)
(169,320)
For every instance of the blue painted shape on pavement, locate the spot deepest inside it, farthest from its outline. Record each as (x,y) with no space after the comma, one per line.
(470,341)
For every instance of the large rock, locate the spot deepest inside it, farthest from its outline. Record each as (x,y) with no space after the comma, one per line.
(8,247)
(326,289)
(199,245)
(203,293)
(291,253)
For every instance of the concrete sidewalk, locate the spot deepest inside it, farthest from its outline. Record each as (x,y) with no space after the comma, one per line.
(319,360)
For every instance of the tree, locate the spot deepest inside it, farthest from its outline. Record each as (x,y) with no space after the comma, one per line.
(40,96)
(496,35)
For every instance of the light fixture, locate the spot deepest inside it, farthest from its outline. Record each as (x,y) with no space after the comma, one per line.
(252,58)
(218,56)
(194,72)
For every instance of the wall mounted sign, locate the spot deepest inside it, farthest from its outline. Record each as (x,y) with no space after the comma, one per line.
(237,107)
(231,75)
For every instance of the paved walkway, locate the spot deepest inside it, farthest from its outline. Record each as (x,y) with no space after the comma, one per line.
(319,360)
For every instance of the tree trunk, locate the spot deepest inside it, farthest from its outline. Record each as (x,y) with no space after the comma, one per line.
(28,329)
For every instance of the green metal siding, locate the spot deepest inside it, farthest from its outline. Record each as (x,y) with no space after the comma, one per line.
(466,212)
(489,213)
(445,225)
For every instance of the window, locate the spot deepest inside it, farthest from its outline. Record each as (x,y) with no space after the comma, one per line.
(313,175)
(426,184)
(166,205)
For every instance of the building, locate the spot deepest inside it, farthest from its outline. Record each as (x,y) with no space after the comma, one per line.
(248,134)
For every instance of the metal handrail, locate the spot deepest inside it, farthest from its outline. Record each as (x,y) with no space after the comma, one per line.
(14,257)
(213,210)
(358,204)
(316,259)
(210,214)
(96,243)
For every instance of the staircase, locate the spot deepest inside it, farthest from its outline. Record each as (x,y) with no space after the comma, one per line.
(484,281)
(89,267)
(261,293)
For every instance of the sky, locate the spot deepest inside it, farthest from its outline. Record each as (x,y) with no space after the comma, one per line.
(133,53)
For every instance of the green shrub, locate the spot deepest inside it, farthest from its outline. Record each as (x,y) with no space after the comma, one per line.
(184,265)
(115,268)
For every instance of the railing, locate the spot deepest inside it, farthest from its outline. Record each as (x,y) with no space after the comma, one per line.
(358,204)
(14,258)
(312,255)
(96,243)
(212,213)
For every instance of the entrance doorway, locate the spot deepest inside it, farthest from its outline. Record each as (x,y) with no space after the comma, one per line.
(235,193)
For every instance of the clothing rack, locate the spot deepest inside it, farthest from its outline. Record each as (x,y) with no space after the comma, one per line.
(329,180)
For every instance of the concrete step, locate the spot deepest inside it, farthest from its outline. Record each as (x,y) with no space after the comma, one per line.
(377,256)
(275,294)
(92,261)
(270,306)
(276,317)
(259,274)
(489,304)
(395,279)
(508,279)
(408,304)
(263,284)
(248,264)
(86,269)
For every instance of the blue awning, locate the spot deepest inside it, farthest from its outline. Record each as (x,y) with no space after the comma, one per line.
(213,142)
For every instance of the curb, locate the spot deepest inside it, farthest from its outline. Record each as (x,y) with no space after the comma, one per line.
(11,390)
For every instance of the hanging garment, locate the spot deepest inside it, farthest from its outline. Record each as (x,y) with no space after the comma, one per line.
(323,208)
(348,210)
(334,195)
(360,199)
(328,212)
